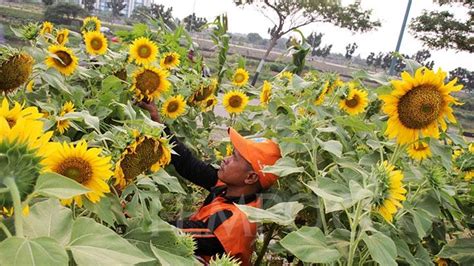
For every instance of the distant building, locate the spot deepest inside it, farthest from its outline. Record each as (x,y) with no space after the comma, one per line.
(105,5)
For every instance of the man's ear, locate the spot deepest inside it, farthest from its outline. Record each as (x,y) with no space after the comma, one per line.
(251,178)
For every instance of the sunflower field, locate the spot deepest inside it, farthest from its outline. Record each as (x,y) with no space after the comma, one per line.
(373,171)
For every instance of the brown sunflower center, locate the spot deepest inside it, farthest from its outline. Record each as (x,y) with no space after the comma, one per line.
(11,122)
(60,38)
(96,43)
(146,154)
(420,147)
(239,78)
(148,81)
(420,107)
(76,168)
(144,51)
(235,101)
(209,103)
(65,58)
(353,102)
(172,106)
(169,59)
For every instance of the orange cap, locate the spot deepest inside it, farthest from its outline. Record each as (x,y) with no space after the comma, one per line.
(259,152)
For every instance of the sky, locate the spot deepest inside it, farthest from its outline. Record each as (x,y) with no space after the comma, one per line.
(384,39)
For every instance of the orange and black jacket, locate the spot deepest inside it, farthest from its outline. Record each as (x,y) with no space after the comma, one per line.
(218,226)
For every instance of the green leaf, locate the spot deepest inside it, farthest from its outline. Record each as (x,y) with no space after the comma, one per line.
(332,146)
(283,213)
(283,167)
(94,244)
(336,196)
(459,250)
(128,109)
(49,218)
(443,151)
(111,82)
(309,245)
(89,120)
(58,186)
(170,259)
(358,192)
(422,222)
(381,248)
(169,182)
(355,123)
(108,209)
(38,251)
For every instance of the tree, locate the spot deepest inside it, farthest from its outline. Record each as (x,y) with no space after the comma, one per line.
(156,11)
(89,4)
(254,38)
(323,52)
(422,58)
(464,76)
(314,40)
(350,49)
(48,2)
(117,7)
(193,23)
(442,30)
(370,59)
(63,13)
(295,14)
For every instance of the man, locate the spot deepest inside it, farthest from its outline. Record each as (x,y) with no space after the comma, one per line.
(219,226)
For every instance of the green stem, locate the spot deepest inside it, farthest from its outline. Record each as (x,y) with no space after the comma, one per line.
(4,190)
(322,214)
(10,183)
(354,242)
(266,241)
(5,230)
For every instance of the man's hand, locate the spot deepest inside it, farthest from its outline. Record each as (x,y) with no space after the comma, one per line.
(151,108)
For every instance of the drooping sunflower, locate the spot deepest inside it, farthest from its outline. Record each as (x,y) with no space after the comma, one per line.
(209,103)
(149,82)
(62,36)
(235,101)
(355,102)
(206,90)
(266,93)
(47,28)
(419,150)
(17,112)
(322,94)
(96,43)
(390,192)
(90,24)
(83,165)
(64,124)
(62,59)
(146,153)
(174,106)
(15,70)
(240,78)
(170,60)
(286,76)
(143,51)
(418,103)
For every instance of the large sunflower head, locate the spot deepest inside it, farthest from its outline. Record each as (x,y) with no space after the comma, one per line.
(96,43)
(266,93)
(235,101)
(83,165)
(418,103)
(170,60)
(321,94)
(355,102)
(390,191)
(146,153)
(17,112)
(174,107)
(15,70)
(64,124)
(419,150)
(90,24)
(143,51)
(47,28)
(62,36)
(240,78)
(62,59)
(150,82)
(205,91)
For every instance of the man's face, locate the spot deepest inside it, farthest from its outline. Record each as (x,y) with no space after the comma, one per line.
(234,169)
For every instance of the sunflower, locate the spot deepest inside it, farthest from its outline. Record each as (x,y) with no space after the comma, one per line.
(320,98)
(146,153)
(240,78)
(229,150)
(469,175)
(417,104)
(174,106)
(391,191)
(235,101)
(62,36)
(47,28)
(90,24)
(170,60)
(419,151)
(334,84)
(63,59)
(266,93)
(286,76)
(96,43)
(471,148)
(150,82)
(355,102)
(205,91)
(30,86)
(83,165)
(17,112)
(64,124)
(209,103)
(15,71)
(143,51)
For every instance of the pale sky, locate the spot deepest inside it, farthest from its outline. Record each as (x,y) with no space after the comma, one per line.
(384,39)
